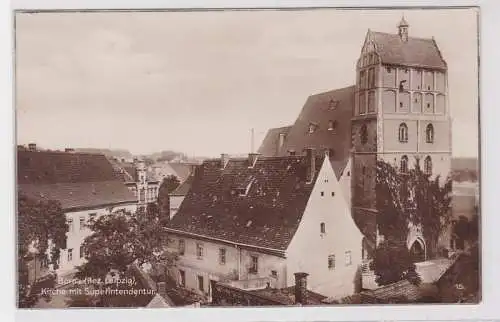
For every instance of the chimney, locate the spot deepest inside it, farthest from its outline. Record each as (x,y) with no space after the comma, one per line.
(69,150)
(162,289)
(311,164)
(301,288)
(224,158)
(32,147)
(281,141)
(192,170)
(252,158)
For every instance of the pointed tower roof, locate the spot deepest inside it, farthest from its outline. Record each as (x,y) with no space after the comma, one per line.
(403,22)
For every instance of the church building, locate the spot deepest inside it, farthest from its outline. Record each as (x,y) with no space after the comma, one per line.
(396,112)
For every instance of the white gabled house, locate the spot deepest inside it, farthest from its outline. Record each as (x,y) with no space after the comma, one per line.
(254,222)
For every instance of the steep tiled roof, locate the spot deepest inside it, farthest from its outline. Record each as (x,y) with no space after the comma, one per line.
(418,52)
(80,195)
(267,216)
(270,144)
(76,180)
(58,167)
(336,106)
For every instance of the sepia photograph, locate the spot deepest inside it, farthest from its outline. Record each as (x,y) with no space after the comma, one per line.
(247,157)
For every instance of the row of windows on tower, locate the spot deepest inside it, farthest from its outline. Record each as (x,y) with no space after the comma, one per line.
(403,133)
(403,165)
(332,126)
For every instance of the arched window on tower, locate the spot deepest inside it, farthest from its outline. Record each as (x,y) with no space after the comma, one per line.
(403,133)
(429,133)
(363,134)
(404,164)
(428,165)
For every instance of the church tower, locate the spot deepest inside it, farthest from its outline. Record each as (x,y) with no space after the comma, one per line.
(401,111)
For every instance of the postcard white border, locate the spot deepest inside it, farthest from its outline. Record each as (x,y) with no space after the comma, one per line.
(489,114)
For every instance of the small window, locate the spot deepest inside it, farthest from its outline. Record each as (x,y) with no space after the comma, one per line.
(388,69)
(199,251)
(404,164)
(70,225)
(331,262)
(82,252)
(403,133)
(428,105)
(322,228)
(333,193)
(222,256)
(428,165)
(182,247)
(82,223)
(274,274)
(182,280)
(429,134)
(363,134)
(312,128)
(428,87)
(254,264)
(401,104)
(348,173)
(322,193)
(348,258)
(416,100)
(200,283)
(70,254)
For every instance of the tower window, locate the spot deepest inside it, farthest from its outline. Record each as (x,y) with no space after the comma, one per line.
(322,228)
(401,104)
(363,134)
(404,164)
(331,262)
(429,134)
(428,165)
(403,133)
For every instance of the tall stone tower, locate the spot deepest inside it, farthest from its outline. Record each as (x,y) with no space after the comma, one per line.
(401,111)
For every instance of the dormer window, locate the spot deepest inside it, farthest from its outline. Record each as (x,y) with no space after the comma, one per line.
(333,104)
(312,128)
(332,125)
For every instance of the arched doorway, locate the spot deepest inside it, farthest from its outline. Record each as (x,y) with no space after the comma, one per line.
(417,251)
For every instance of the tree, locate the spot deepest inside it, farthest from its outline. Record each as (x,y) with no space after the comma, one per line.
(405,200)
(431,205)
(42,229)
(392,262)
(169,184)
(119,239)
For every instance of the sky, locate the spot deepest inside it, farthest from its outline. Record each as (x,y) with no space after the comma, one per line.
(198,82)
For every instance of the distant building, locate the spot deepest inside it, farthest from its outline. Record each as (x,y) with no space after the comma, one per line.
(397,111)
(85,184)
(143,183)
(253,222)
(181,170)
